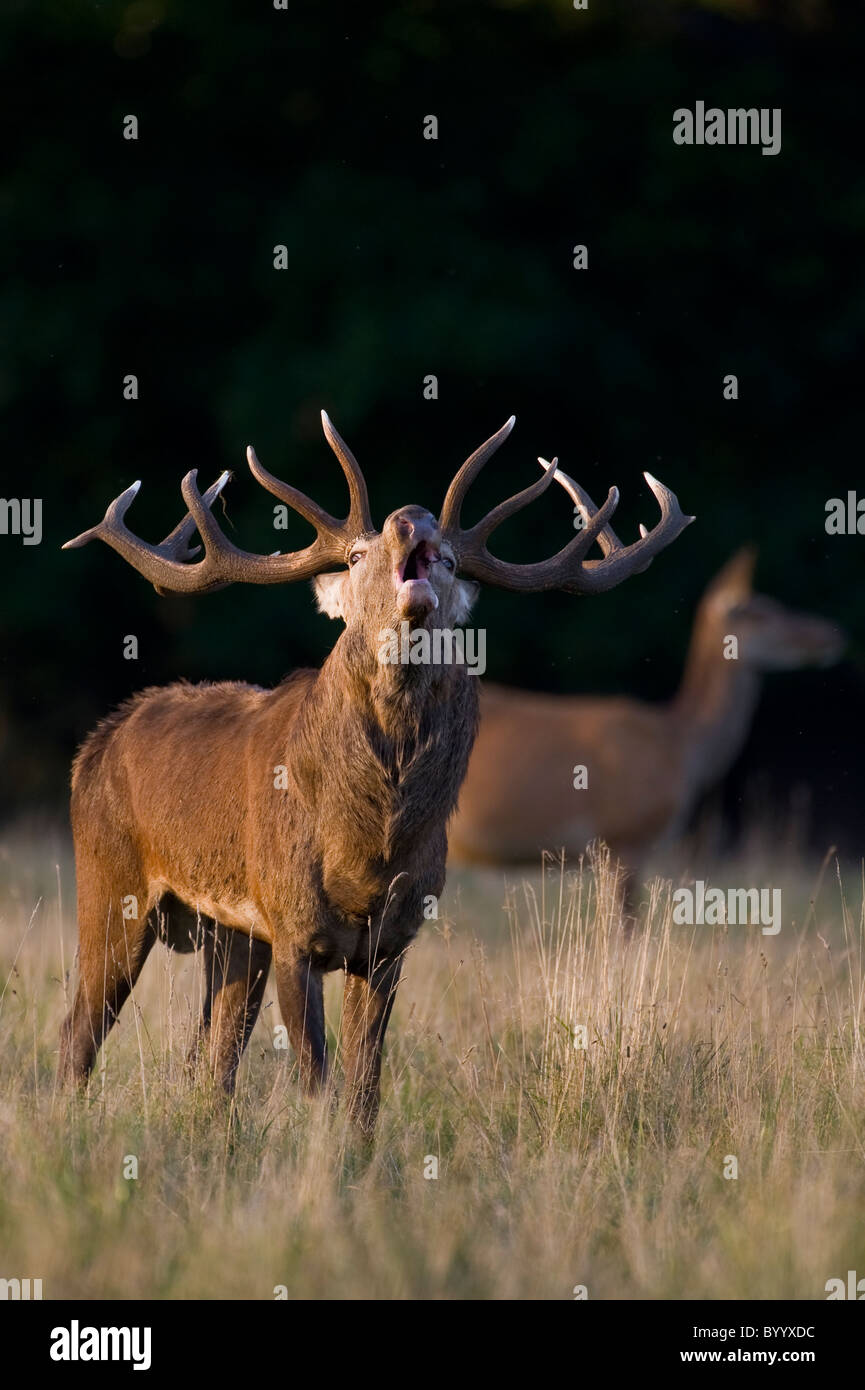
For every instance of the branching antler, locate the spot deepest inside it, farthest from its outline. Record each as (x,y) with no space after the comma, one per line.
(620,560)
(171,566)
(568,570)
(168,566)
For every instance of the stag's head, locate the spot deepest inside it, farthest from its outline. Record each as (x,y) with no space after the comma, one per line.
(407,573)
(417,569)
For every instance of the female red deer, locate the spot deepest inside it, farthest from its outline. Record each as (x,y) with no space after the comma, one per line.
(646,764)
(310,819)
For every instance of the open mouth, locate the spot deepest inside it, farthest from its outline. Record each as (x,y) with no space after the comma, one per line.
(414,592)
(418,563)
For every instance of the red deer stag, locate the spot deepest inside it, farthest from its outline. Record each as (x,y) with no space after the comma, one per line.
(311,818)
(646,764)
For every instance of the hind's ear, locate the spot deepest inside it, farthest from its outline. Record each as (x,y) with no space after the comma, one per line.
(328,589)
(736,579)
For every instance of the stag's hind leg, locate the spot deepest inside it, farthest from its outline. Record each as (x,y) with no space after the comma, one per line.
(115,935)
(236,969)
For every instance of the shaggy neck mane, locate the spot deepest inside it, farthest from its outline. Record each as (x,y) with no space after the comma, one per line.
(393,703)
(383,749)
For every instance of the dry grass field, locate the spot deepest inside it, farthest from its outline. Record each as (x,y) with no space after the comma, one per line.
(558,1165)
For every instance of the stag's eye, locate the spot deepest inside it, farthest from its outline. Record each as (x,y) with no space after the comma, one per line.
(355,556)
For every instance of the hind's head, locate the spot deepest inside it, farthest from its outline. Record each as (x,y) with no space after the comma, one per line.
(771,636)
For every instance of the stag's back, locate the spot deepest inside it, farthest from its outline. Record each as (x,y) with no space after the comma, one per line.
(170,771)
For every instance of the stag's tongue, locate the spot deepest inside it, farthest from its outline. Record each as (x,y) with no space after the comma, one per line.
(415,598)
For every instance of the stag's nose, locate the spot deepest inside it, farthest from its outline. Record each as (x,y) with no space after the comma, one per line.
(413,525)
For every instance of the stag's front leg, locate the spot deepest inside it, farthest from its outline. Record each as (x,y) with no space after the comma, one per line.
(301,1003)
(367,1003)
(236,969)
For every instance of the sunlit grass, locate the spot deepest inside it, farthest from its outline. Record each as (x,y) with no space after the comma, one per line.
(558,1165)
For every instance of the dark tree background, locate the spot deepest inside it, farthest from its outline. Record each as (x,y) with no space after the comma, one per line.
(410,257)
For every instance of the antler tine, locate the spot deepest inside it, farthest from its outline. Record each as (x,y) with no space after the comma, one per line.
(292,496)
(673,520)
(491,522)
(475,536)
(167,565)
(359,519)
(452,505)
(606,538)
(470,543)
(596,577)
(568,570)
(114,515)
(475,560)
(176,544)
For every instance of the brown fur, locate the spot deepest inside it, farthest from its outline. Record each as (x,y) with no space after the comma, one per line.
(185,831)
(174,803)
(647,764)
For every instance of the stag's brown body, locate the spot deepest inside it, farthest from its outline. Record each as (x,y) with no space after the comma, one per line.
(304,825)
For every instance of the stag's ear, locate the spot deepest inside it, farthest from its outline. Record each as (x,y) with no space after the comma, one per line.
(465,595)
(328,590)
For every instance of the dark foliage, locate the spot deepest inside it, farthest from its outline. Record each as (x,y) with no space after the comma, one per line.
(409,257)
